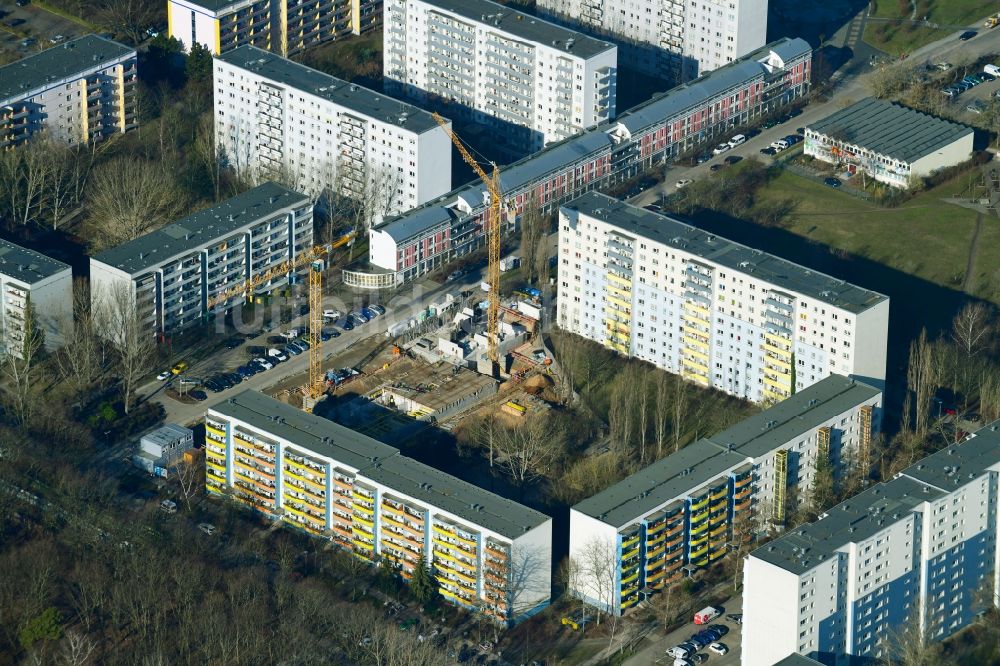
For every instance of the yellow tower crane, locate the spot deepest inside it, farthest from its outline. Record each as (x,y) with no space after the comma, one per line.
(493,223)
(314,259)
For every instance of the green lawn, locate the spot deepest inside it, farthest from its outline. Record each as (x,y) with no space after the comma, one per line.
(926,237)
(899,38)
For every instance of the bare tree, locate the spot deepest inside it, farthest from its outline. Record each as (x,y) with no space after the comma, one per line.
(526,450)
(23,177)
(680,407)
(643,387)
(205,152)
(661,412)
(532,235)
(128,333)
(130,197)
(75,648)
(21,365)
(972,329)
(621,410)
(908,645)
(80,361)
(191,479)
(921,379)
(129,18)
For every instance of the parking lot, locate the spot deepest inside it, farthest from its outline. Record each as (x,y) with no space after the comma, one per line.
(38,26)
(654,651)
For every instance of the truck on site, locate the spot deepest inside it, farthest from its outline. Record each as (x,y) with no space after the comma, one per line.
(706,615)
(992,21)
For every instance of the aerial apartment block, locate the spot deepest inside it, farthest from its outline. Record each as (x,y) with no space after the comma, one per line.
(673,39)
(720,314)
(486,552)
(78,92)
(30,278)
(695,114)
(178,275)
(286,27)
(888,142)
(919,551)
(275,116)
(528,81)
(690,508)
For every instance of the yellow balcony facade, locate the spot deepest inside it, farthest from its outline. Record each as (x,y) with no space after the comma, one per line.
(621,279)
(695,341)
(688,306)
(694,363)
(781,386)
(777,344)
(215,431)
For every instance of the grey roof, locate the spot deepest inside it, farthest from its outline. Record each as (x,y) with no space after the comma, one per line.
(794,416)
(351,96)
(796,659)
(678,100)
(557,156)
(890,129)
(958,464)
(382,463)
(216,5)
(704,461)
(52,65)
(859,518)
(27,265)
(669,478)
(202,228)
(875,509)
(524,26)
(312,433)
(781,273)
(462,499)
(168,433)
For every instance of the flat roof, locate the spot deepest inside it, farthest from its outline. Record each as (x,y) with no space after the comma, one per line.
(890,129)
(168,433)
(351,96)
(381,463)
(57,63)
(436,386)
(26,265)
(459,498)
(800,413)
(202,228)
(796,659)
(305,431)
(783,274)
(524,26)
(705,460)
(571,149)
(875,509)
(215,5)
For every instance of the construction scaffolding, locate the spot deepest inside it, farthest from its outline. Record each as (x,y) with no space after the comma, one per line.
(780,486)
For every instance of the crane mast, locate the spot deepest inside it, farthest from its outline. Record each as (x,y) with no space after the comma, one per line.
(493,223)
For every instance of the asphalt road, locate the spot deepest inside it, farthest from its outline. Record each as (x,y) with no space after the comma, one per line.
(655,649)
(949,49)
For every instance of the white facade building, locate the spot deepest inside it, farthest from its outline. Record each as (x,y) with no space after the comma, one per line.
(28,277)
(888,142)
(672,39)
(80,91)
(718,313)
(275,116)
(283,26)
(916,551)
(688,509)
(180,274)
(528,81)
(487,552)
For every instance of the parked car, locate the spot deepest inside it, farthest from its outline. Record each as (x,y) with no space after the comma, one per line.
(735,617)
(720,628)
(368,313)
(832,182)
(234,377)
(180,367)
(277,354)
(301,343)
(378,309)
(719,648)
(198,395)
(29,41)
(223,381)
(234,342)
(245,372)
(213,386)
(168,506)
(715,167)
(357,318)
(706,615)
(652,208)
(678,652)
(732,159)
(721,148)
(207,528)
(768,151)
(332,314)
(951,92)
(264,363)
(704,157)
(347,325)
(737,140)
(793,139)
(22,3)
(682,183)
(699,658)
(58,39)
(967,35)
(769,123)
(328,333)
(455,275)
(164,376)
(976,107)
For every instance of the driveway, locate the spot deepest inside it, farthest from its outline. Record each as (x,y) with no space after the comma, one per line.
(656,646)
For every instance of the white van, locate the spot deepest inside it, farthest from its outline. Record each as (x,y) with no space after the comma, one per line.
(737,140)
(677,652)
(780,144)
(992,70)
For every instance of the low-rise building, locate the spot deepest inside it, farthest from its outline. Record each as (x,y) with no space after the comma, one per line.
(915,558)
(486,552)
(692,507)
(31,279)
(277,117)
(718,313)
(162,449)
(705,111)
(888,142)
(527,81)
(286,27)
(178,275)
(80,91)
